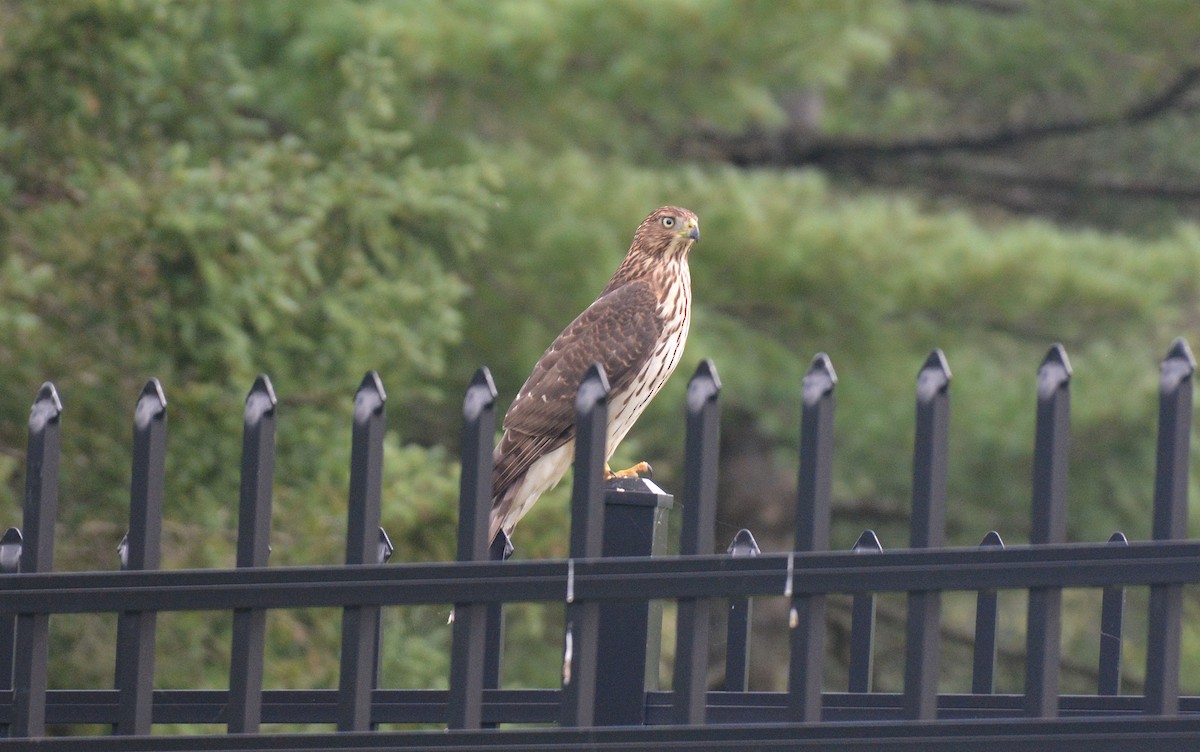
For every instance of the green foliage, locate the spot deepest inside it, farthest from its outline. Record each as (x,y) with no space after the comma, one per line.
(204,192)
(204,261)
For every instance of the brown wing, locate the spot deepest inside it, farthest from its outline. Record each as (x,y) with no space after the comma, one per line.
(618,331)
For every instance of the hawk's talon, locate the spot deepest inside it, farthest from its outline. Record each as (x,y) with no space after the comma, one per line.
(641,469)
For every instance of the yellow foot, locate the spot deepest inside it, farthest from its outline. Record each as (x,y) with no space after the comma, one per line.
(637,471)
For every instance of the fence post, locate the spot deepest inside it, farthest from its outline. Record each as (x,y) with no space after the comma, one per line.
(928,531)
(253,550)
(1112,618)
(360,624)
(983,673)
(737,632)
(1170,523)
(37,555)
(1049,525)
(142,550)
(862,624)
(468,651)
(807,616)
(698,536)
(635,524)
(587,525)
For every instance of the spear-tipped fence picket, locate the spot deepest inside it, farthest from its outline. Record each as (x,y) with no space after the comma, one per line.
(612,585)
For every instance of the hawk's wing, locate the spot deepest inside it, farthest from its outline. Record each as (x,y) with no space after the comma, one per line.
(618,331)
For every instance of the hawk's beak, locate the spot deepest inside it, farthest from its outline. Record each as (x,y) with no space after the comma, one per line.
(693,231)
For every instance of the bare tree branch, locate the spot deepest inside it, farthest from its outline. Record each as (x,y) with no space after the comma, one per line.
(797,147)
(997,7)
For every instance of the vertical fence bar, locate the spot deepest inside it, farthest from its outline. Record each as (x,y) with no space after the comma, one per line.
(469,642)
(360,624)
(582,631)
(983,673)
(1112,618)
(253,550)
(698,536)
(807,616)
(1170,523)
(493,652)
(37,555)
(928,531)
(635,524)
(10,563)
(142,551)
(862,624)
(383,554)
(737,631)
(1049,525)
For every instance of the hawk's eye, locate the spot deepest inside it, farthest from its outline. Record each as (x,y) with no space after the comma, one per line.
(668,222)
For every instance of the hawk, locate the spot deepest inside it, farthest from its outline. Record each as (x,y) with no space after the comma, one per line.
(636,329)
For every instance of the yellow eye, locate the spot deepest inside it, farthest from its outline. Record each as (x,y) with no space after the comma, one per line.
(668,222)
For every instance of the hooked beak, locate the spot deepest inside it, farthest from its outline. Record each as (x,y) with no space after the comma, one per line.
(693,230)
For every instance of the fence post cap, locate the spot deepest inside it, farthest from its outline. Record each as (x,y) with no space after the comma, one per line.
(636,492)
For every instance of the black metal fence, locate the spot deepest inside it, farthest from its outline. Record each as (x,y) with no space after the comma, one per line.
(612,586)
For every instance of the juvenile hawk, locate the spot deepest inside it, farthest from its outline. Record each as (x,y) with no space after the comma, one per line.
(636,329)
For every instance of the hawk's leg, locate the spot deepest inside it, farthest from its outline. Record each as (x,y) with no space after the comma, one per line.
(637,471)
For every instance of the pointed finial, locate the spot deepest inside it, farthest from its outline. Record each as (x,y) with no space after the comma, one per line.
(1178,366)
(10,551)
(386,549)
(123,551)
(1054,373)
(704,385)
(743,544)
(370,397)
(593,389)
(1181,351)
(261,399)
(151,404)
(819,380)
(992,539)
(502,547)
(867,543)
(46,407)
(481,394)
(934,377)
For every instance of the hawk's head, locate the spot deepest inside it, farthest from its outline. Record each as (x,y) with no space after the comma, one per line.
(668,231)
(660,246)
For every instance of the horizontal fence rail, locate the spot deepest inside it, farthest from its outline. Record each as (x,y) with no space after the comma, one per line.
(612,586)
(1076,565)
